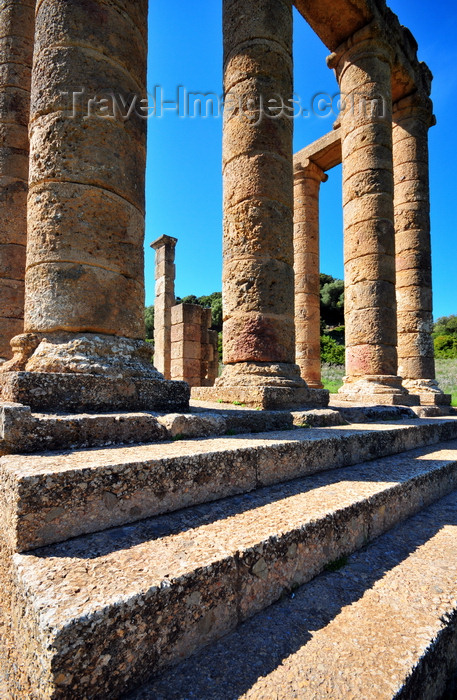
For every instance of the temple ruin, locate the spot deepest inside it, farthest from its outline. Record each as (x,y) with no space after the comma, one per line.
(136,528)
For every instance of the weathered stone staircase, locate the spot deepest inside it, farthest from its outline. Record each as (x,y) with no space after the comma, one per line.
(119,562)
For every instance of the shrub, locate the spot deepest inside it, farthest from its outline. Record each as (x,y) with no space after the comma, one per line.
(446,346)
(331,352)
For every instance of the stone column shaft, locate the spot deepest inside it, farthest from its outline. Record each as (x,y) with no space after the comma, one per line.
(164,300)
(363,69)
(17,20)
(306,266)
(84,282)
(258,277)
(412,118)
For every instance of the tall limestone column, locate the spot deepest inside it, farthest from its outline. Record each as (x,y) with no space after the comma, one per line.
(258,276)
(412,118)
(363,70)
(17,19)
(306,265)
(84,285)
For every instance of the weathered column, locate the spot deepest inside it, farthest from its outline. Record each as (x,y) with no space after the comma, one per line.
(412,118)
(84,286)
(164,300)
(258,276)
(363,70)
(17,18)
(307,183)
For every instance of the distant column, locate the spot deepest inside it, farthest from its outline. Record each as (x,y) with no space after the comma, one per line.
(164,300)
(306,265)
(412,118)
(17,20)
(363,69)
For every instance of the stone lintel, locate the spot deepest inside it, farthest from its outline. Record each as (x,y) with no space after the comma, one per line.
(44,391)
(163,241)
(325,152)
(265,397)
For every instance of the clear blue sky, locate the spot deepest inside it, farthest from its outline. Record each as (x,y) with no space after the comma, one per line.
(184,155)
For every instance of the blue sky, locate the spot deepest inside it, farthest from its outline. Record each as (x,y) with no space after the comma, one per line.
(184,187)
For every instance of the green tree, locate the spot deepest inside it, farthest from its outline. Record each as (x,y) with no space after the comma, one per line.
(149,322)
(332,301)
(331,351)
(214,301)
(446,325)
(445,346)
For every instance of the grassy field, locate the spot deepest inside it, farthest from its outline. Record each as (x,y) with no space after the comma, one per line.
(446,373)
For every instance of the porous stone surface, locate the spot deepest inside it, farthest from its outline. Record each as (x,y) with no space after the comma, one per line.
(51,497)
(412,118)
(16,48)
(320,417)
(379,627)
(258,276)
(24,431)
(86,198)
(264,397)
(46,391)
(82,353)
(357,414)
(306,269)
(104,611)
(193,425)
(363,69)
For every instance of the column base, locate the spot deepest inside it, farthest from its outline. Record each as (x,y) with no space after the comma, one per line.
(386,390)
(261,374)
(313,384)
(48,391)
(428,391)
(265,397)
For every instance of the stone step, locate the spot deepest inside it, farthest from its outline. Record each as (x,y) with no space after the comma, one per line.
(23,431)
(51,497)
(95,616)
(381,626)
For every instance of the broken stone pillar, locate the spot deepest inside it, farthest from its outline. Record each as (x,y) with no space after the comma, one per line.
(258,276)
(84,286)
(17,21)
(164,300)
(306,265)
(363,70)
(186,345)
(412,118)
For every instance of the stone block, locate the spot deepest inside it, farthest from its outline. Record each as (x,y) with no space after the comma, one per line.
(87,392)
(185,350)
(269,397)
(185,331)
(186,313)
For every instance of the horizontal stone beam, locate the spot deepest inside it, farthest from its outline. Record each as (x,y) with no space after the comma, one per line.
(325,152)
(334,21)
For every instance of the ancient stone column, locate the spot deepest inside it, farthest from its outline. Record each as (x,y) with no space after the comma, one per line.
(164,300)
(17,19)
(412,118)
(363,70)
(84,286)
(258,276)
(307,183)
